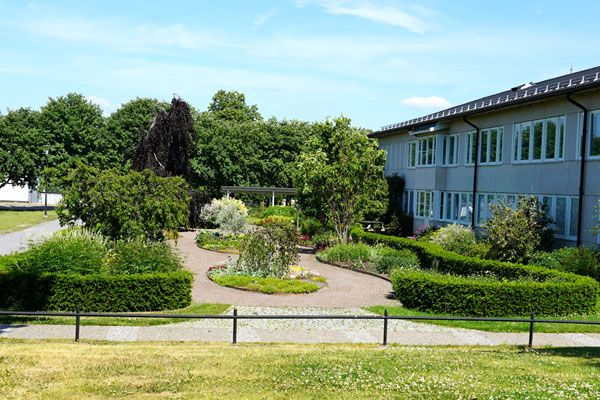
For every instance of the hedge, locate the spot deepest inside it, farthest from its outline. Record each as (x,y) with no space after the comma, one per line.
(99,293)
(516,290)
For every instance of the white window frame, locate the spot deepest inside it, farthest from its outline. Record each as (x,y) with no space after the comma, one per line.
(424,200)
(447,148)
(487,132)
(559,151)
(469,155)
(411,159)
(427,146)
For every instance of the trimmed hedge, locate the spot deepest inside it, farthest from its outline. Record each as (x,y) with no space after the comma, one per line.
(99,293)
(516,290)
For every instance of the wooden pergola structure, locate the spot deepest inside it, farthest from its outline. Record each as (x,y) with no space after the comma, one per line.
(259,190)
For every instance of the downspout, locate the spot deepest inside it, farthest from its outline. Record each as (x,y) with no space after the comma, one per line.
(584,132)
(475,167)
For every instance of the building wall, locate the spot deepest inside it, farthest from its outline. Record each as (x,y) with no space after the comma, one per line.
(549,178)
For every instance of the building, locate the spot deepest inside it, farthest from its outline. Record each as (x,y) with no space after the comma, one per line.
(540,139)
(18,194)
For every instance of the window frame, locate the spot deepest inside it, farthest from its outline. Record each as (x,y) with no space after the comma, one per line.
(447,148)
(559,140)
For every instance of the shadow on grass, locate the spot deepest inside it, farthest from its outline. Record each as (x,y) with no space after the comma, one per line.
(591,354)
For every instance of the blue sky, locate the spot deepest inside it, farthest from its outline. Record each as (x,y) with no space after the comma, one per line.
(377,62)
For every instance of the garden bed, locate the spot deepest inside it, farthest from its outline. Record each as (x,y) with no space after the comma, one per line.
(269,285)
(215,240)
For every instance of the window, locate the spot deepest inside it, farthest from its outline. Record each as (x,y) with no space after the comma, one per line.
(470,150)
(408,202)
(411,154)
(424,208)
(491,145)
(595,135)
(456,207)
(450,150)
(541,140)
(426,150)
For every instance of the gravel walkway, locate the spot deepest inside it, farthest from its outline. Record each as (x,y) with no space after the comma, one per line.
(300,331)
(344,288)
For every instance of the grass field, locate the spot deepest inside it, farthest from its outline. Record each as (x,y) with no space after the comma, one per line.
(11,221)
(204,308)
(98,370)
(267,285)
(502,326)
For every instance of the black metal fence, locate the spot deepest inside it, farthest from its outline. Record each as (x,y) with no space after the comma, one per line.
(235,317)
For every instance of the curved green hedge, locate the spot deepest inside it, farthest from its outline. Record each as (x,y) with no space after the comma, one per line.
(99,293)
(516,290)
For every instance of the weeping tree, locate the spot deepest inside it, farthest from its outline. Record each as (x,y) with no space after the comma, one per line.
(167,147)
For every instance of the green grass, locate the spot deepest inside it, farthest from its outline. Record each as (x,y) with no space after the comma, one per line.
(224,244)
(11,221)
(98,370)
(502,326)
(265,285)
(109,321)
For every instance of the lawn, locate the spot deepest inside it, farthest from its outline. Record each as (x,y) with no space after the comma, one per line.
(109,321)
(502,326)
(67,370)
(267,285)
(11,221)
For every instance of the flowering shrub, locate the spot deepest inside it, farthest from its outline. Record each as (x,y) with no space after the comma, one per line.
(459,239)
(227,214)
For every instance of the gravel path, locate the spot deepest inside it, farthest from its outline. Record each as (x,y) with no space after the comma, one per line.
(19,240)
(344,288)
(300,331)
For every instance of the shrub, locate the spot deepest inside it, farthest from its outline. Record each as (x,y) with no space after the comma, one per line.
(227,214)
(282,211)
(276,220)
(122,206)
(141,257)
(579,260)
(517,233)
(355,254)
(99,293)
(310,226)
(219,241)
(387,259)
(70,251)
(570,293)
(425,232)
(544,259)
(459,239)
(268,252)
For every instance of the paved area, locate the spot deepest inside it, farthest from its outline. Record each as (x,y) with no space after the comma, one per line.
(344,288)
(18,241)
(300,331)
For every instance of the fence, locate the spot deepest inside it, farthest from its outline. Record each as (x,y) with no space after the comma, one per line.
(235,317)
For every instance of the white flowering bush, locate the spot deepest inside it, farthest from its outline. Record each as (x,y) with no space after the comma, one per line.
(227,214)
(459,239)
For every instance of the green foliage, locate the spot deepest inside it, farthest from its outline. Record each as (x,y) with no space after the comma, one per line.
(231,106)
(123,206)
(21,148)
(281,211)
(355,254)
(137,256)
(100,293)
(517,233)
(459,239)
(311,226)
(276,220)
(557,293)
(267,285)
(126,127)
(227,214)
(219,241)
(387,259)
(268,252)
(343,170)
(579,260)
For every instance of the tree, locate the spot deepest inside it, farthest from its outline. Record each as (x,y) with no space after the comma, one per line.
(73,128)
(124,206)
(231,106)
(21,148)
(516,233)
(343,170)
(125,128)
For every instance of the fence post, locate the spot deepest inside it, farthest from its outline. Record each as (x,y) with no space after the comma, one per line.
(531,330)
(385,326)
(77,321)
(234,325)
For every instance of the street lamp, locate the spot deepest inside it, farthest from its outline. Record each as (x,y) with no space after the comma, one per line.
(46,185)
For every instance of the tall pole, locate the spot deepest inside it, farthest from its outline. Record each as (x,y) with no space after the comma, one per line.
(46,186)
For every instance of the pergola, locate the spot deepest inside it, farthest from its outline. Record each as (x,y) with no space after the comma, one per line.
(260,190)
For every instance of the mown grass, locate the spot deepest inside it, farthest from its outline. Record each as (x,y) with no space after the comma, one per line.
(97,370)
(205,308)
(265,285)
(502,326)
(11,221)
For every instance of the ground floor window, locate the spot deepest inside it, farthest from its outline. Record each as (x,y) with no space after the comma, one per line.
(456,207)
(424,204)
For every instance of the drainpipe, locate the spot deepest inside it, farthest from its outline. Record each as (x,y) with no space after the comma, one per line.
(581,165)
(475,166)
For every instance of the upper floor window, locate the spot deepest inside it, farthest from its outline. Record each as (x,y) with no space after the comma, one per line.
(426,148)
(411,154)
(594,135)
(541,140)
(470,150)
(490,145)
(450,150)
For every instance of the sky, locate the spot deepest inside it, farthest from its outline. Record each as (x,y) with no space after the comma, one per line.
(375,61)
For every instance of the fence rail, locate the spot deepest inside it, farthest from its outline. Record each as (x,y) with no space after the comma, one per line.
(77,315)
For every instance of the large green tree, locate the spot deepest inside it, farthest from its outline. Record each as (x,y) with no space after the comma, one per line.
(231,106)
(342,170)
(21,148)
(74,129)
(125,128)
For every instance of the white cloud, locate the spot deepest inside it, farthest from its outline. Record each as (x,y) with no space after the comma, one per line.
(104,104)
(367,10)
(426,102)
(261,19)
